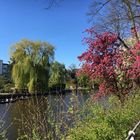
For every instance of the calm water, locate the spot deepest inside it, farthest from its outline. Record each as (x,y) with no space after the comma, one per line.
(15,115)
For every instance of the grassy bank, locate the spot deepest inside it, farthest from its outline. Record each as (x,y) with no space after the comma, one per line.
(109,122)
(56,119)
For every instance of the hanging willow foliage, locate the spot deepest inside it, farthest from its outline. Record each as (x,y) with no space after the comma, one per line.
(31,65)
(58,75)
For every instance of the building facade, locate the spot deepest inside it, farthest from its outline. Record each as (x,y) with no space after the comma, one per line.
(3,68)
(1,63)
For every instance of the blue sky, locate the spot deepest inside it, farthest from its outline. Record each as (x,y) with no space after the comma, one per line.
(61,26)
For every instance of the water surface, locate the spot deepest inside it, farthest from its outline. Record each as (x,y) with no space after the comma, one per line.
(16,115)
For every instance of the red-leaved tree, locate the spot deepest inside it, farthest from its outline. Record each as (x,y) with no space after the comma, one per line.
(109,64)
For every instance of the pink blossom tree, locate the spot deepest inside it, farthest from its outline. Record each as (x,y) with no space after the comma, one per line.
(106,62)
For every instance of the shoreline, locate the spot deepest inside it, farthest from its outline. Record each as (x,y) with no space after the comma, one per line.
(12,97)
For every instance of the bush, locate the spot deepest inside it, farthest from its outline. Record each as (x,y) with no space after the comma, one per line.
(107,119)
(8,88)
(43,119)
(110,121)
(2,82)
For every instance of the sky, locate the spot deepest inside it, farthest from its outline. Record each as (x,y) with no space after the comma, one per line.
(62,26)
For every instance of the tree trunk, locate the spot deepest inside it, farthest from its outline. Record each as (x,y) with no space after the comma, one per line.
(132,19)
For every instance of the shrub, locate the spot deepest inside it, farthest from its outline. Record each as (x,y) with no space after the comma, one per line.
(110,121)
(8,87)
(44,119)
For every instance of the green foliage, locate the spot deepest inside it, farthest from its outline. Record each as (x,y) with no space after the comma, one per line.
(83,81)
(39,121)
(110,122)
(43,119)
(58,76)
(5,84)
(34,136)
(71,77)
(8,87)
(3,135)
(31,65)
(2,82)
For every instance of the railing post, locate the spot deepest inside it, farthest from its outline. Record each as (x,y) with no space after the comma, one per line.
(131,134)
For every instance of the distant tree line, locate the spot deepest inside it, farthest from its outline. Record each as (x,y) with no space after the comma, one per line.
(34,70)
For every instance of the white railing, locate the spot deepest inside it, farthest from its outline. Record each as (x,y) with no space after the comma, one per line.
(131,133)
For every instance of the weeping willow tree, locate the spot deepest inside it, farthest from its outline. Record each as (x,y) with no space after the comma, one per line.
(31,65)
(58,76)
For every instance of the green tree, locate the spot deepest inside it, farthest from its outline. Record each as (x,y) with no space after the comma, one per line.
(31,65)
(2,82)
(71,76)
(84,81)
(57,76)
(5,84)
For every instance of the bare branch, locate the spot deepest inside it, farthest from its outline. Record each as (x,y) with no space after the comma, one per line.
(52,3)
(102,6)
(124,44)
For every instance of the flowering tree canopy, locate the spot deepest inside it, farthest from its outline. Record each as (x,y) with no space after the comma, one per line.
(109,64)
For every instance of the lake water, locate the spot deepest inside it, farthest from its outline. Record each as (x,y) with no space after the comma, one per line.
(22,114)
